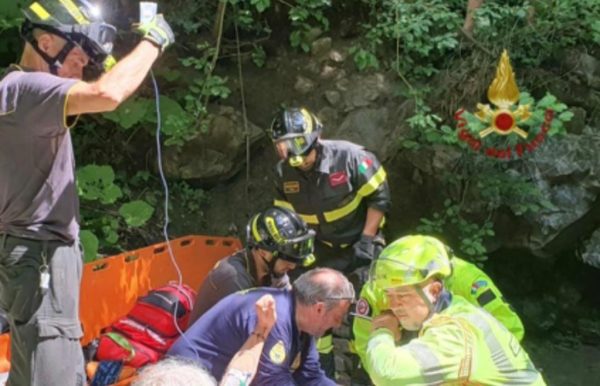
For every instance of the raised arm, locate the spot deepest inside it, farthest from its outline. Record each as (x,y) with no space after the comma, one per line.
(112,88)
(243,366)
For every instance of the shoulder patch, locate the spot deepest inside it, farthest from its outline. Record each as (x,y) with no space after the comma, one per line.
(277,353)
(290,187)
(479,284)
(338,178)
(365,164)
(363,308)
(486,297)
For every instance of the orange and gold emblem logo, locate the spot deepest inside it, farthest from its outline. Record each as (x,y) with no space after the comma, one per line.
(504,118)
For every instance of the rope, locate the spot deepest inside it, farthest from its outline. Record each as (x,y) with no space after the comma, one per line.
(244,114)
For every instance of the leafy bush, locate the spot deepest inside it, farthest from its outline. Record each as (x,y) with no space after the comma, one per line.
(534,31)
(419,34)
(101,227)
(451,221)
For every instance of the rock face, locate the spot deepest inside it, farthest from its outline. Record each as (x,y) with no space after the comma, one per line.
(567,171)
(365,108)
(591,250)
(216,155)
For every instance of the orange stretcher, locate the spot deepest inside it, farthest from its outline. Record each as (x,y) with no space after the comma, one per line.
(111,286)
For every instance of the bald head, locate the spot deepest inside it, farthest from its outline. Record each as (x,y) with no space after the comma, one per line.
(323,285)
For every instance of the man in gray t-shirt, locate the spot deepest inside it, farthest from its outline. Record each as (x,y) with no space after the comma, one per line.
(40,260)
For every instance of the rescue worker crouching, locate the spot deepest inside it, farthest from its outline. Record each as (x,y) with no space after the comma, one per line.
(466,280)
(277,241)
(457,342)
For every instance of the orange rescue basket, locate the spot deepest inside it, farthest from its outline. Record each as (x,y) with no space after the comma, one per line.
(111,286)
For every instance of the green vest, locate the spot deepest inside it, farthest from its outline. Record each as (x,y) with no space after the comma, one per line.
(477,288)
(460,345)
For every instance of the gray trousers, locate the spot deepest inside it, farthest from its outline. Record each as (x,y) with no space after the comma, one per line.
(44,323)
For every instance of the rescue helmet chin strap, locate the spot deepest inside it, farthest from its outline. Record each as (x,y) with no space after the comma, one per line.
(55,62)
(423,295)
(297,160)
(269,264)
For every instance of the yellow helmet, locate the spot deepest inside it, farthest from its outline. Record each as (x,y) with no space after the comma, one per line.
(410,260)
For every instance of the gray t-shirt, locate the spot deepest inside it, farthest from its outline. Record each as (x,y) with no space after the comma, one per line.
(38,196)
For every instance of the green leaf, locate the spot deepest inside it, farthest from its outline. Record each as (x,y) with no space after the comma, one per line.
(259,57)
(136,213)
(96,182)
(111,194)
(130,113)
(110,235)
(547,101)
(566,116)
(261,5)
(90,244)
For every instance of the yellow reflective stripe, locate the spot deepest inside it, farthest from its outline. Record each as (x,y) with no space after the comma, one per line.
(39,10)
(344,210)
(325,344)
(254,227)
(74,11)
(283,204)
(331,244)
(65,116)
(374,182)
(366,190)
(308,218)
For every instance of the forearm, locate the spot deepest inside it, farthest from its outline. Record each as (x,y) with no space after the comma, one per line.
(108,92)
(245,361)
(373,221)
(128,74)
(388,364)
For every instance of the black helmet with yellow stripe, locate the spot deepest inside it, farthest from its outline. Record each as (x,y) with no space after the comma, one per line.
(283,233)
(298,129)
(78,22)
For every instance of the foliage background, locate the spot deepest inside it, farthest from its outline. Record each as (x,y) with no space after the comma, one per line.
(419,41)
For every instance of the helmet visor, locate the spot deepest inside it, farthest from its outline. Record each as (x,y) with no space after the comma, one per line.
(298,249)
(386,274)
(96,39)
(296,145)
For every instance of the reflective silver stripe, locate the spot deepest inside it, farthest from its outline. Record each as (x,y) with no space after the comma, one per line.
(432,371)
(514,376)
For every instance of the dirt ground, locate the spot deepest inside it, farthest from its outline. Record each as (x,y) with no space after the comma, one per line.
(563,366)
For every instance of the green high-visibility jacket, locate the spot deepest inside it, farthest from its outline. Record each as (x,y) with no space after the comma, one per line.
(462,344)
(467,281)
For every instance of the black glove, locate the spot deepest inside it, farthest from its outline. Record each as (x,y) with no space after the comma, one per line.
(157,31)
(364,248)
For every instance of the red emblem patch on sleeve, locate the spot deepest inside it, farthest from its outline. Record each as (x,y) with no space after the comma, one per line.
(362,307)
(338,178)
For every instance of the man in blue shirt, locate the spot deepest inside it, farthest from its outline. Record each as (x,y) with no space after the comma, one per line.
(319,300)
